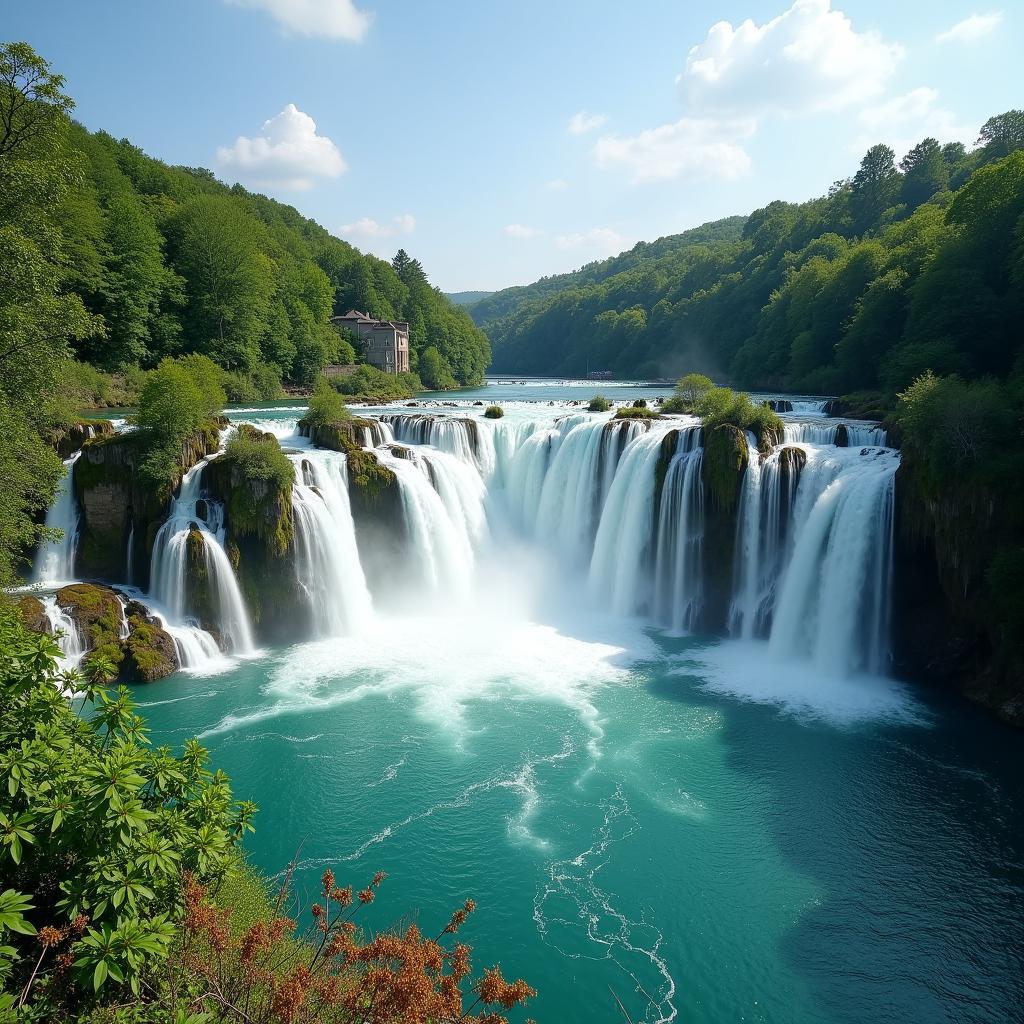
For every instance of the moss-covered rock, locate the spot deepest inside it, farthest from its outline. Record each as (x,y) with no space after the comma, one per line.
(97,614)
(69,438)
(115,502)
(842,438)
(725,461)
(33,614)
(250,482)
(149,652)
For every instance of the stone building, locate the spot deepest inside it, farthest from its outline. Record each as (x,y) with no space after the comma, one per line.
(385,342)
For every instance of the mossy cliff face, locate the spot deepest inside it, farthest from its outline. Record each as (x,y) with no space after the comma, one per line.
(147,651)
(33,614)
(260,531)
(944,629)
(724,464)
(68,439)
(115,501)
(96,612)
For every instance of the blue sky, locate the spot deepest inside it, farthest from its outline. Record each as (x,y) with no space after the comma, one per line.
(502,141)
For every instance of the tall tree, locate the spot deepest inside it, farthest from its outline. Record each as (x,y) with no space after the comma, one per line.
(875,186)
(1002,134)
(924,173)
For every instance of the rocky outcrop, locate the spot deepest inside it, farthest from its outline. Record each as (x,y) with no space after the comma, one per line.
(842,438)
(725,462)
(149,652)
(116,502)
(98,617)
(69,438)
(33,614)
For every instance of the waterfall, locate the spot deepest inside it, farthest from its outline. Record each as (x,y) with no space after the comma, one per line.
(168,568)
(858,435)
(70,641)
(55,561)
(833,604)
(443,505)
(678,570)
(326,558)
(129,573)
(620,566)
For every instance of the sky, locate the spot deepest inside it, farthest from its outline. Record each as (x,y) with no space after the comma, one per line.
(502,141)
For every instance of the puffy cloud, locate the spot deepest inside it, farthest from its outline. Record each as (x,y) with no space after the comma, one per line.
(692,148)
(808,58)
(581,123)
(521,231)
(366,228)
(901,122)
(602,240)
(288,153)
(975,27)
(335,19)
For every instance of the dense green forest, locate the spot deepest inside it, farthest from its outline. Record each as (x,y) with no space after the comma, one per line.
(898,270)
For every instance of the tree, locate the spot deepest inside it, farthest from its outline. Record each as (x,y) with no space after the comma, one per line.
(410,271)
(924,173)
(689,392)
(228,276)
(875,186)
(1001,135)
(435,372)
(33,104)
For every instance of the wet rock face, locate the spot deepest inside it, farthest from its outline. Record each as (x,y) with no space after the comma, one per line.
(842,436)
(97,615)
(115,502)
(725,461)
(33,614)
(69,439)
(149,652)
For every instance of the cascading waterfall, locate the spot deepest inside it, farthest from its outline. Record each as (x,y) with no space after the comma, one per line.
(833,602)
(55,562)
(326,558)
(678,575)
(168,568)
(620,566)
(70,641)
(858,434)
(443,504)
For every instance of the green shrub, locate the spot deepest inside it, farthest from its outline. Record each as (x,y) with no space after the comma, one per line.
(435,372)
(632,412)
(719,406)
(494,412)
(325,405)
(688,394)
(599,404)
(97,830)
(370,383)
(259,457)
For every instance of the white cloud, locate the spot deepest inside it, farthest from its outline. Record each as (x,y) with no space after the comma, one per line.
(581,123)
(808,58)
(602,240)
(288,153)
(556,185)
(970,29)
(692,148)
(521,231)
(903,121)
(367,228)
(335,19)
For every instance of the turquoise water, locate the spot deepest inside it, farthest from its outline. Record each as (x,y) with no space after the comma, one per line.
(623,825)
(710,836)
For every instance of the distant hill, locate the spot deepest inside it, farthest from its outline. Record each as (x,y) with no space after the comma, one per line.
(497,305)
(466,298)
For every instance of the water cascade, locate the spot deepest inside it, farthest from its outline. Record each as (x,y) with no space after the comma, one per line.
(55,562)
(326,558)
(70,641)
(168,568)
(678,569)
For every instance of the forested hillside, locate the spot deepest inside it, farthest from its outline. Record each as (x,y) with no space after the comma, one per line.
(510,303)
(898,270)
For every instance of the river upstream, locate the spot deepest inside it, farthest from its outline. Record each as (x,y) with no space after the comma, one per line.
(759,829)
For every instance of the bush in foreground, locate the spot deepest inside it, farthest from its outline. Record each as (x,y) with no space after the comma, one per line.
(632,412)
(599,404)
(689,392)
(494,412)
(325,405)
